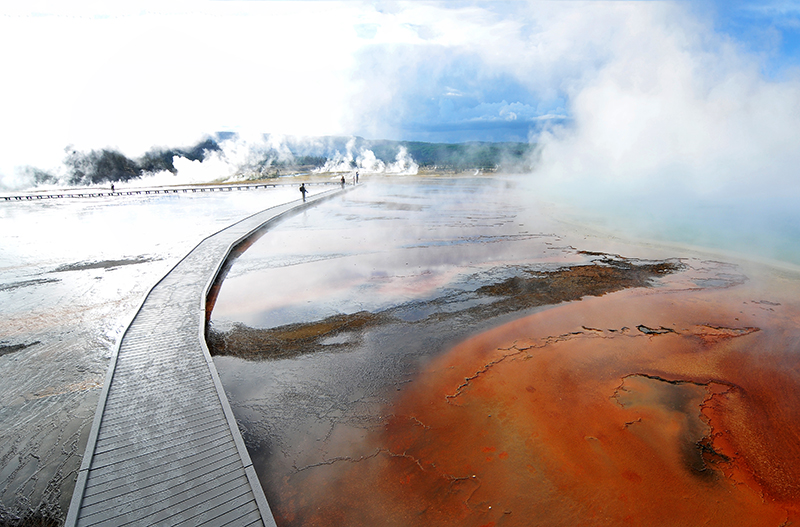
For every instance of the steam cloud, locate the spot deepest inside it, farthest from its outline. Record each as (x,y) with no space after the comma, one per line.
(681,135)
(677,110)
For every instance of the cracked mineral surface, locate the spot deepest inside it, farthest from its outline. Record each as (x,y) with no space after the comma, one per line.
(433,352)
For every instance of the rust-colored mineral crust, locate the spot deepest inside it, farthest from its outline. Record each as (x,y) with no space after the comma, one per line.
(634,408)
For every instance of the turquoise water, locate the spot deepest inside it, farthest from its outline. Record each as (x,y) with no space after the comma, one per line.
(762,226)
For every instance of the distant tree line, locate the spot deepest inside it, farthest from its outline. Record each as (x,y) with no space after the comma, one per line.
(459,156)
(108,166)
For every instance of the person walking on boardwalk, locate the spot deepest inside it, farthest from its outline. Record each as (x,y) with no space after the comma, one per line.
(303,190)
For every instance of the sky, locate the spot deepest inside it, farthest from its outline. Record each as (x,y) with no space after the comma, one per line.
(615,92)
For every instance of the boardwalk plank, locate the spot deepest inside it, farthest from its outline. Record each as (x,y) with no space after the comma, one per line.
(119,432)
(152,479)
(203,399)
(108,475)
(154,487)
(224,510)
(128,434)
(177,504)
(168,445)
(251,519)
(191,445)
(148,512)
(146,396)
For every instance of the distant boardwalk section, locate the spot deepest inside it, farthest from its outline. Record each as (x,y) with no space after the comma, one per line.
(100,192)
(164,448)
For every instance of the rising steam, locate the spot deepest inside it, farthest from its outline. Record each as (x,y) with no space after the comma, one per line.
(365,160)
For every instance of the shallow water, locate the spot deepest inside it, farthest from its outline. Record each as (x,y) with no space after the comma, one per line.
(382,245)
(665,405)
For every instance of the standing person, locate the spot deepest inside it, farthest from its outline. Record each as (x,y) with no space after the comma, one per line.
(303,190)
(342,181)
(356,176)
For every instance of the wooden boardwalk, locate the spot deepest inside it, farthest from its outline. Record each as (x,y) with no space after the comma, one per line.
(164,448)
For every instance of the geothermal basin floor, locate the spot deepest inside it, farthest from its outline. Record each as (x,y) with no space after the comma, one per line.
(164,446)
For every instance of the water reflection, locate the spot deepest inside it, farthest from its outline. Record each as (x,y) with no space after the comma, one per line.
(385,244)
(674,404)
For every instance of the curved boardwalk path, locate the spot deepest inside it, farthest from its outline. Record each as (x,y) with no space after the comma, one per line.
(164,447)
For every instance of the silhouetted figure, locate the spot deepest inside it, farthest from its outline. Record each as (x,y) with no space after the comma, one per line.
(112,187)
(356,176)
(303,190)
(342,181)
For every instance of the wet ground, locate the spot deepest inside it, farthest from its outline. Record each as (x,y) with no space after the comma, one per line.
(72,273)
(433,351)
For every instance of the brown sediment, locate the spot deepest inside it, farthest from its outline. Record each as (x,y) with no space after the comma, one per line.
(103,264)
(609,274)
(530,287)
(286,341)
(11,348)
(570,417)
(27,283)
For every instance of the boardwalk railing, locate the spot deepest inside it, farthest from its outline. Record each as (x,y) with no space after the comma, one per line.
(164,447)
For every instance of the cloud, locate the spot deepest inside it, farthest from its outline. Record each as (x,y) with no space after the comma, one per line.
(131,78)
(481,57)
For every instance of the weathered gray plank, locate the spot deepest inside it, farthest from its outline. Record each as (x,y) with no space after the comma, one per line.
(154,489)
(149,512)
(164,446)
(224,511)
(121,423)
(192,444)
(124,433)
(112,475)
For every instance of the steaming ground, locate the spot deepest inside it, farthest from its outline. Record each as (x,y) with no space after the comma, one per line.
(72,272)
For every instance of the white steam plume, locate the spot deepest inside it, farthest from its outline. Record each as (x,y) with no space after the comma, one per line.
(404,164)
(368,163)
(340,162)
